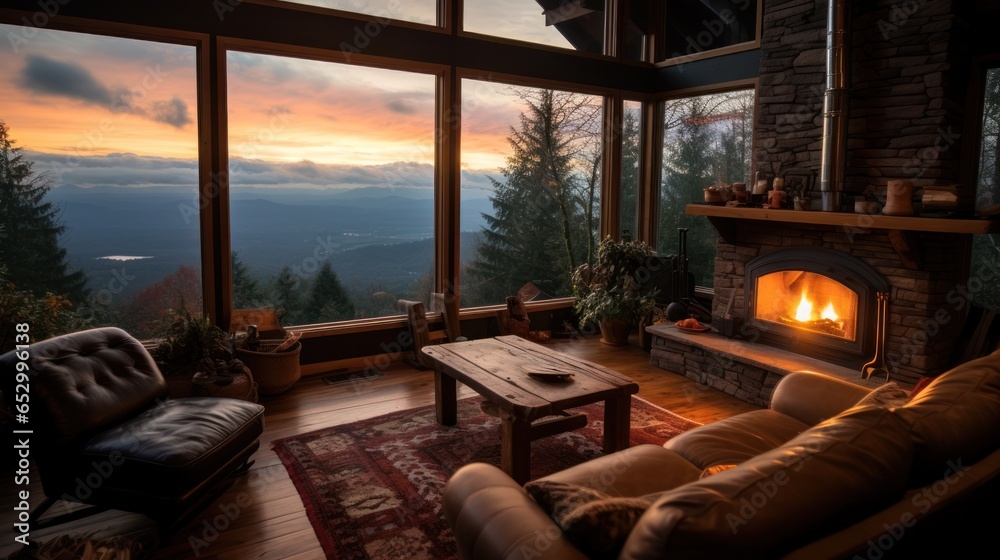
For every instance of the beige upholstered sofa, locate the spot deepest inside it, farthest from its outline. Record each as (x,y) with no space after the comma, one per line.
(816,475)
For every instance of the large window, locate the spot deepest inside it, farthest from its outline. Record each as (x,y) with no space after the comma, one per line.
(99,168)
(530,190)
(332,187)
(572,24)
(986,248)
(706,141)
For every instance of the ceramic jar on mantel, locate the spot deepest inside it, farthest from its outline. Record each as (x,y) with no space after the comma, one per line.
(899,199)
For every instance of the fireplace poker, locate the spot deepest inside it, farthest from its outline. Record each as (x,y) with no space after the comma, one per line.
(878,365)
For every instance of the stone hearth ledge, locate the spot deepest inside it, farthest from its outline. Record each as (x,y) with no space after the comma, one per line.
(746,370)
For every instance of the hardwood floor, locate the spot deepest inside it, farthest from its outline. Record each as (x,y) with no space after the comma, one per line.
(261,516)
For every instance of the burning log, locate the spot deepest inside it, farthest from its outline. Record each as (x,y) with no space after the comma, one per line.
(825,326)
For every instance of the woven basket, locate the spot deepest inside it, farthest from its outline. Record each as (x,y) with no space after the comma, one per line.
(243,387)
(274,372)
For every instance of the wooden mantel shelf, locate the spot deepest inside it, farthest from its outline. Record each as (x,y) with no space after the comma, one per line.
(901,229)
(846,219)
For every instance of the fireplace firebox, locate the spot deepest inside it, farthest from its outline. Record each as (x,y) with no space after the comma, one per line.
(815,301)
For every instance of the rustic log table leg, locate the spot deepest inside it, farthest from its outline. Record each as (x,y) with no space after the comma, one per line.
(617,422)
(515,450)
(445,398)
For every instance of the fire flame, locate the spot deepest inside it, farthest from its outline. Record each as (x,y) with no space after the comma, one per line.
(804,312)
(829,313)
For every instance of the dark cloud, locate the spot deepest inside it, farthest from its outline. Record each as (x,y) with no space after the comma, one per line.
(280,110)
(52,77)
(173,112)
(123,169)
(402,107)
(115,169)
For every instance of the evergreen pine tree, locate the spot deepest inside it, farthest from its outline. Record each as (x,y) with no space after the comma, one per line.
(733,154)
(287,296)
(247,293)
(29,236)
(539,230)
(631,159)
(328,300)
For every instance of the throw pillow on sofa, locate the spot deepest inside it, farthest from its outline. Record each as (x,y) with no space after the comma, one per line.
(595,522)
(889,395)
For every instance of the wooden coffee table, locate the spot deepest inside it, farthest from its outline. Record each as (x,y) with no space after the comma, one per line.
(529,408)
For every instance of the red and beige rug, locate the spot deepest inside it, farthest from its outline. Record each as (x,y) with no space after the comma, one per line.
(372,489)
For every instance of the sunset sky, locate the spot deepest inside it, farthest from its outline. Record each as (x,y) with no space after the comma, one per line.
(94,110)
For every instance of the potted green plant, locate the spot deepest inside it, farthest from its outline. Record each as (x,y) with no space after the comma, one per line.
(194,350)
(608,291)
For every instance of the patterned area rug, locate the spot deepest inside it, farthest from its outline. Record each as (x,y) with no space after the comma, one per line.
(372,489)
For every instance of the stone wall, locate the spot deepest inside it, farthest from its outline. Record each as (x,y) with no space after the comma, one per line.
(908,73)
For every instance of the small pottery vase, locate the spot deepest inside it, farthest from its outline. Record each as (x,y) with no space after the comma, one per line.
(899,199)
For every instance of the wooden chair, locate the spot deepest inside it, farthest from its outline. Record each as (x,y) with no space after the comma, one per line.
(514,320)
(420,331)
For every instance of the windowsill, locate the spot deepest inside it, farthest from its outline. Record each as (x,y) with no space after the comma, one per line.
(399,321)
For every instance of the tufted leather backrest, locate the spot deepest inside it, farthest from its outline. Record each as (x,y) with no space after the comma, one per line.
(88,380)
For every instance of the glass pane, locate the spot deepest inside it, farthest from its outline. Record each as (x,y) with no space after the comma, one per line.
(696,27)
(531,188)
(417,11)
(637,31)
(706,141)
(572,24)
(332,187)
(631,162)
(108,138)
(986,248)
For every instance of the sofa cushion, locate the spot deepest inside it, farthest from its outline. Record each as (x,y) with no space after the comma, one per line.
(593,521)
(85,381)
(830,475)
(735,439)
(176,445)
(955,419)
(889,395)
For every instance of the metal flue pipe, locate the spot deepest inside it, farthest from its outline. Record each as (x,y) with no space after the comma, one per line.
(835,105)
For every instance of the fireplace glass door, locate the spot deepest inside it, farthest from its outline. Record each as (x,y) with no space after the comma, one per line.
(807,301)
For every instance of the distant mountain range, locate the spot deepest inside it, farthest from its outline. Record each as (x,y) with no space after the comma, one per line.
(376,236)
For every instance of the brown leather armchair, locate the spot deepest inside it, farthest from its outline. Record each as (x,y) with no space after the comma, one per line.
(104,433)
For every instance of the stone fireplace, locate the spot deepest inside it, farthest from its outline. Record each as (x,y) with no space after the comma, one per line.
(905,121)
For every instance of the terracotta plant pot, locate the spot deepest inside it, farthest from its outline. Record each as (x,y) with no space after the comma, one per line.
(614,332)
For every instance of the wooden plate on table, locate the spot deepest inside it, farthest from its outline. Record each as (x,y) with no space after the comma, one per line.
(550,375)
